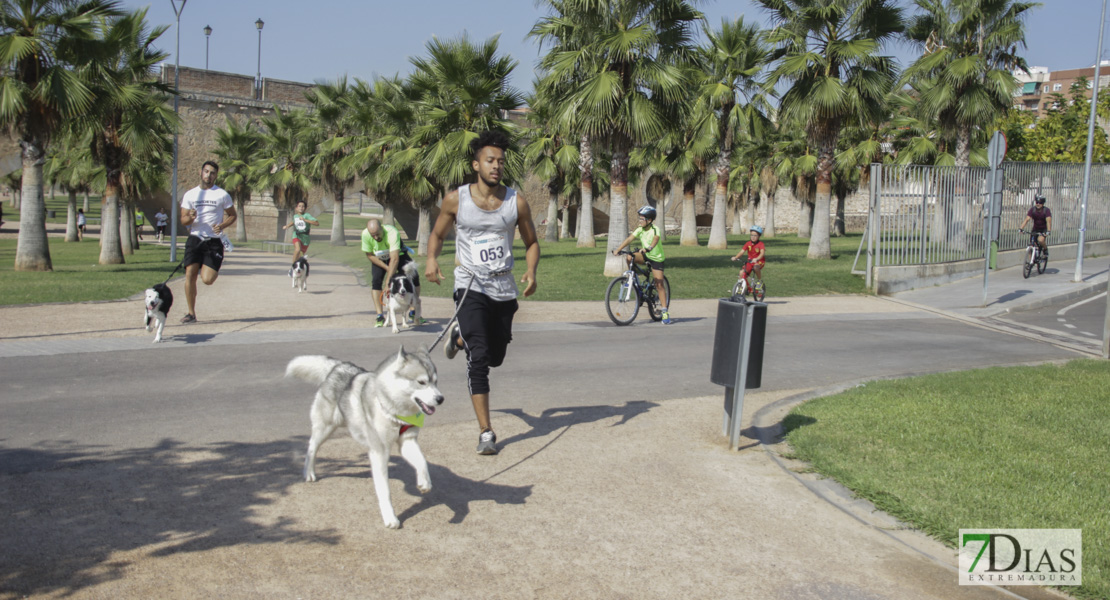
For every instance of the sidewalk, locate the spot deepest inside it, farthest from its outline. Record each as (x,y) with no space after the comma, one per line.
(636,501)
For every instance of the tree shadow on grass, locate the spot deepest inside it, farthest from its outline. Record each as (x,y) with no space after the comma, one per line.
(68,508)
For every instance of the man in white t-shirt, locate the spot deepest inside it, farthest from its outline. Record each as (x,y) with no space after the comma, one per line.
(207,210)
(160,219)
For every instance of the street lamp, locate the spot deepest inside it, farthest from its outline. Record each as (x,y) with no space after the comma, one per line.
(207,35)
(258,91)
(174,212)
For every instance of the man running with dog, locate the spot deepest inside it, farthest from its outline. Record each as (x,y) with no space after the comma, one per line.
(382,243)
(207,210)
(485,215)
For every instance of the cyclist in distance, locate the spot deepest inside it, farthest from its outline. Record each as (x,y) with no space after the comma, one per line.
(756,254)
(652,254)
(1041,216)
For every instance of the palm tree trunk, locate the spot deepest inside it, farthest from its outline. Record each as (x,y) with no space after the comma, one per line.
(769,217)
(423,229)
(32,253)
(71,217)
(689,213)
(241,209)
(717,237)
(838,223)
(805,218)
(819,243)
(564,227)
(127,240)
(110,251)
(551,234)
(86,207)
(750,213)
(586,209)
(338,238)
(618,212)
(963,146)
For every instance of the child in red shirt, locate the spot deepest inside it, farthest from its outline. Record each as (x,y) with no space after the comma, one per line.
(755,251)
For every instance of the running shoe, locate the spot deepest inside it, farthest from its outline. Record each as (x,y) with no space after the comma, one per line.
(487,442)
(380,322)
(451,348)
(189,319)
(666,318)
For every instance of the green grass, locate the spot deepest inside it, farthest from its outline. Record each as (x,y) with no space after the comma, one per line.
(77,277)
(566,272)
(59,205)
(1016,447)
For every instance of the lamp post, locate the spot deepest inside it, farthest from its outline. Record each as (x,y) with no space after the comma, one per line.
(258,82)
(207,35)
(174,211)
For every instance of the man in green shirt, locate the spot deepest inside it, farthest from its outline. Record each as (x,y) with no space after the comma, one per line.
(652,253)
(383,248)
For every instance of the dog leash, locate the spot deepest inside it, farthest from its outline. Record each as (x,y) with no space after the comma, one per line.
(173,272)
(455,317)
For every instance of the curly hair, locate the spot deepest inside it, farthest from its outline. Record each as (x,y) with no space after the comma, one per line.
(490,137)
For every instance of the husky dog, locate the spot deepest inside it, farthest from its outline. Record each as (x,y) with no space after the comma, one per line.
(299,274)
(380,408)
(159,299)
(403,297)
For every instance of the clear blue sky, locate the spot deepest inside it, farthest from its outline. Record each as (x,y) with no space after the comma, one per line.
(325,39)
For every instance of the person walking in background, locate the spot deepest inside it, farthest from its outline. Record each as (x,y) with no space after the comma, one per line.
(486,215)
(207,210)
(80,224)
(160,219)
(139,220)
(302,225)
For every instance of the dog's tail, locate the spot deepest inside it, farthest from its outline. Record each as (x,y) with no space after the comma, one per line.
(313,369)
(411,270)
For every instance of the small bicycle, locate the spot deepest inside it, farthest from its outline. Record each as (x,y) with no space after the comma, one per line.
(634,287)
(1034,256)
(743,287)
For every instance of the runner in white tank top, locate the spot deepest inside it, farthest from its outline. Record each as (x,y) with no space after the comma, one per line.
(485,215)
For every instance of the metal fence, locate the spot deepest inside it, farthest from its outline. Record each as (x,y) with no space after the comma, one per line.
(926,214)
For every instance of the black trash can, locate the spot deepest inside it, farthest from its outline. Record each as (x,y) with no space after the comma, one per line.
(731,315)
(49,214)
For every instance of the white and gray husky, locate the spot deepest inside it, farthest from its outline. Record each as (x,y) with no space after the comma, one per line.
(381,408)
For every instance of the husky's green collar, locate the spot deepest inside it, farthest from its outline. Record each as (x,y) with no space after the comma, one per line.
(415,420)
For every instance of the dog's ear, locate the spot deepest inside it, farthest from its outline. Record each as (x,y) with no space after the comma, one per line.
(424,350)
(401,353)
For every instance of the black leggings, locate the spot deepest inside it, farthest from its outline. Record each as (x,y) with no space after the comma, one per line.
(486,326)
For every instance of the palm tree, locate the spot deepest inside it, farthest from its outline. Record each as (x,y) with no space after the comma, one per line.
(281,163)
(40,41)
(969,52)
(329,126)
(625,81)
(548,157)
(686,151)
(236,147)
(464,90)
(130,121)
(828,54)
(733,59)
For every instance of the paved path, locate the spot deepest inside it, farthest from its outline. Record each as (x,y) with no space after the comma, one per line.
(127,476)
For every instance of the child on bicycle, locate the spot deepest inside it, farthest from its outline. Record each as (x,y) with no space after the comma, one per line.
(652,253)
(756,255)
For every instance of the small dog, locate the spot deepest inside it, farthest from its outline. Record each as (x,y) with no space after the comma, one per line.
(380,408)
(403,297)
(159,299)
(299,274)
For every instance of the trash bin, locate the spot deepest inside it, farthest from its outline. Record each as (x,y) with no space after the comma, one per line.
(731,317)
(49,214)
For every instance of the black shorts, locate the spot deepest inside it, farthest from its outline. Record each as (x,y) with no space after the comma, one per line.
(209,253)
(377,274)
(161,228)
(655,266)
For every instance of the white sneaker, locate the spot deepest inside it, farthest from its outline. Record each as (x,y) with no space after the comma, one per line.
(487,442)
(451,347)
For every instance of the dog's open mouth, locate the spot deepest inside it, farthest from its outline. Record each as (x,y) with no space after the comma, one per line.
(427,408)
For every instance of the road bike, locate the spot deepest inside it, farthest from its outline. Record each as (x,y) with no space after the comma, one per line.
(634,287)
(1034,256)
(743,287)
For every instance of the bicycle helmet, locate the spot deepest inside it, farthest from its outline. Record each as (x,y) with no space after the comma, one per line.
(757,229)
(1038,199)
(647,212)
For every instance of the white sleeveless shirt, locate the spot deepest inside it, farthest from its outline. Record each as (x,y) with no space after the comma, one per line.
(484,245)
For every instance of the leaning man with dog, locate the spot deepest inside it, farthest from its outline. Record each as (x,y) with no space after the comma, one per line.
(486,215)
(383,248)
(207,210)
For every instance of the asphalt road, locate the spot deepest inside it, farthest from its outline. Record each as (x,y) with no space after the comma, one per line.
(90,403)
(1083,317)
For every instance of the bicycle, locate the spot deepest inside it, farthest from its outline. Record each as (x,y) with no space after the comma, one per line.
(757,288)
(632,288)
(1034,256)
